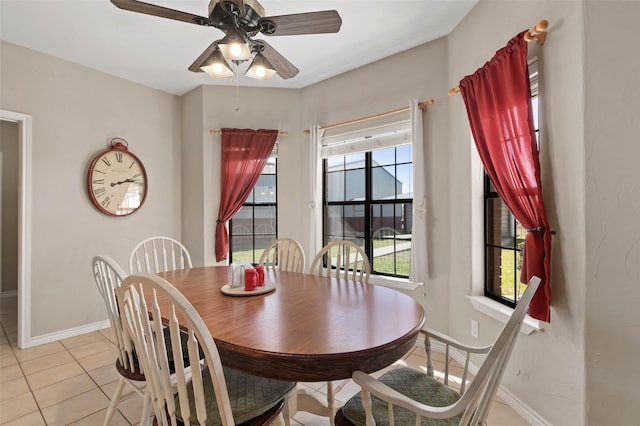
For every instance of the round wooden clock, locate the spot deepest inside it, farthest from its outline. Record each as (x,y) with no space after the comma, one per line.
(117,180)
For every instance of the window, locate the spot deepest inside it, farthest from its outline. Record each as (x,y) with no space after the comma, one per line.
(367,198)
(255,225)
(504,235)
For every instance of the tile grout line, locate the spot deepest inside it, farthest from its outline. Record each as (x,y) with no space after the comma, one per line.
(24,376)
(96,383)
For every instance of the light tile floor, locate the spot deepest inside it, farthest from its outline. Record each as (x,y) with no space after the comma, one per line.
(70,382)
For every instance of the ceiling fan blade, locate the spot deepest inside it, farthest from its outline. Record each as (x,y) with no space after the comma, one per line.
(327,21)
(195,66)
(283,67)
(163,12)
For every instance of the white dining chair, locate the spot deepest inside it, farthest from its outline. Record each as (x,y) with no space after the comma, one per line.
(206,392)
(108,276)
(406,396)
(159,254)
(285,254)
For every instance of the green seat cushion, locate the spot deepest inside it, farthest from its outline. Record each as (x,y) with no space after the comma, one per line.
(249,395)
(415,385)
(134,371)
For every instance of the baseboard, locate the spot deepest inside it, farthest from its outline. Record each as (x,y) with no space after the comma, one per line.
(519,406)
(65,334)
(8,294)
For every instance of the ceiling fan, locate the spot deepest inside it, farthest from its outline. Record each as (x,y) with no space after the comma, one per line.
(241,20)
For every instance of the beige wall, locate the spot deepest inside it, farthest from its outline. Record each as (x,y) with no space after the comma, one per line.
(76,111)
(612,126)
(9,149)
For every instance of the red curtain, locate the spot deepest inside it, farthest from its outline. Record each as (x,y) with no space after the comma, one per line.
(498,102)
(244,154)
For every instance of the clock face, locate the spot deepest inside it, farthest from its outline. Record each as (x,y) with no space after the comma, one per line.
(117,182)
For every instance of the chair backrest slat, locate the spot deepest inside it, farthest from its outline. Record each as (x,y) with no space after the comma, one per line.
(344,259)
(159,254)
(285,254)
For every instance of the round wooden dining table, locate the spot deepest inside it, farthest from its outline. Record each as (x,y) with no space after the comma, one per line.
(310,328)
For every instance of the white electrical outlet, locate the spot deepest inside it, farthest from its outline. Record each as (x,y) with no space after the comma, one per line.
(474,328)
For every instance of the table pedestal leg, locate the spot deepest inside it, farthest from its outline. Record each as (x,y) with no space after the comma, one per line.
(305,401)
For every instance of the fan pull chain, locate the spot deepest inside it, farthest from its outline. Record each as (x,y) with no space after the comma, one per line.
(235,66)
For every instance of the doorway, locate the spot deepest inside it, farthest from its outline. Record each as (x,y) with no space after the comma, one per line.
(24,223)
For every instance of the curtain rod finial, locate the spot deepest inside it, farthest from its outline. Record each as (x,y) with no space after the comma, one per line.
(423,105)
(538,33)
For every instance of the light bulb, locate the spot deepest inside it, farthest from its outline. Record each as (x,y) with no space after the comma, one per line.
(260,71)
(235,49)
(217,68)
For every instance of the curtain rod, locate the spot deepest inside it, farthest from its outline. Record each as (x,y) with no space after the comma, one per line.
(421,105)
(219,132)
(538,33)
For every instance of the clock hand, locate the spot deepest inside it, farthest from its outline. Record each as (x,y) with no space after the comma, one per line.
(121,182)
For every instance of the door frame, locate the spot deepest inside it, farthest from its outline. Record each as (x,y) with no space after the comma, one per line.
(24,223)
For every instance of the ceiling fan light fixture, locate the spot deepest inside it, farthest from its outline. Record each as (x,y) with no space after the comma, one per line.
(260,68)
(216,66)
(234,47)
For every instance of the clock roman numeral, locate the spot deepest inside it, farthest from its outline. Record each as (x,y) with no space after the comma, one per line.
(99,192)
(119,157)
(136,175)
(99,171)
(105,202)
(106,161)
(98,181)
(132,163)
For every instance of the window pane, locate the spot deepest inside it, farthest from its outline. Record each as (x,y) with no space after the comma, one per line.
(265,189)
(265,221)
(242,223)
(242,248)
(391,238)
(261,242)
(383,185)
(355,185)
(383,157)
(335,186)
(404,176)
(501,228)
(335,163)
(505,268)
(403,154)
(354,221)
(335,222)
(354,161)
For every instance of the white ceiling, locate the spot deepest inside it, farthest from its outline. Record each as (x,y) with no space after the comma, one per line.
(156,52)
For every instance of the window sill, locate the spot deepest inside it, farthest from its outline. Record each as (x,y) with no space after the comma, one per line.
(502,313)
(392,282)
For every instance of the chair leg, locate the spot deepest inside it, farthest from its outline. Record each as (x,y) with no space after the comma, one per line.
(115,400)
(145,417)
(331,402)
(286,408)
